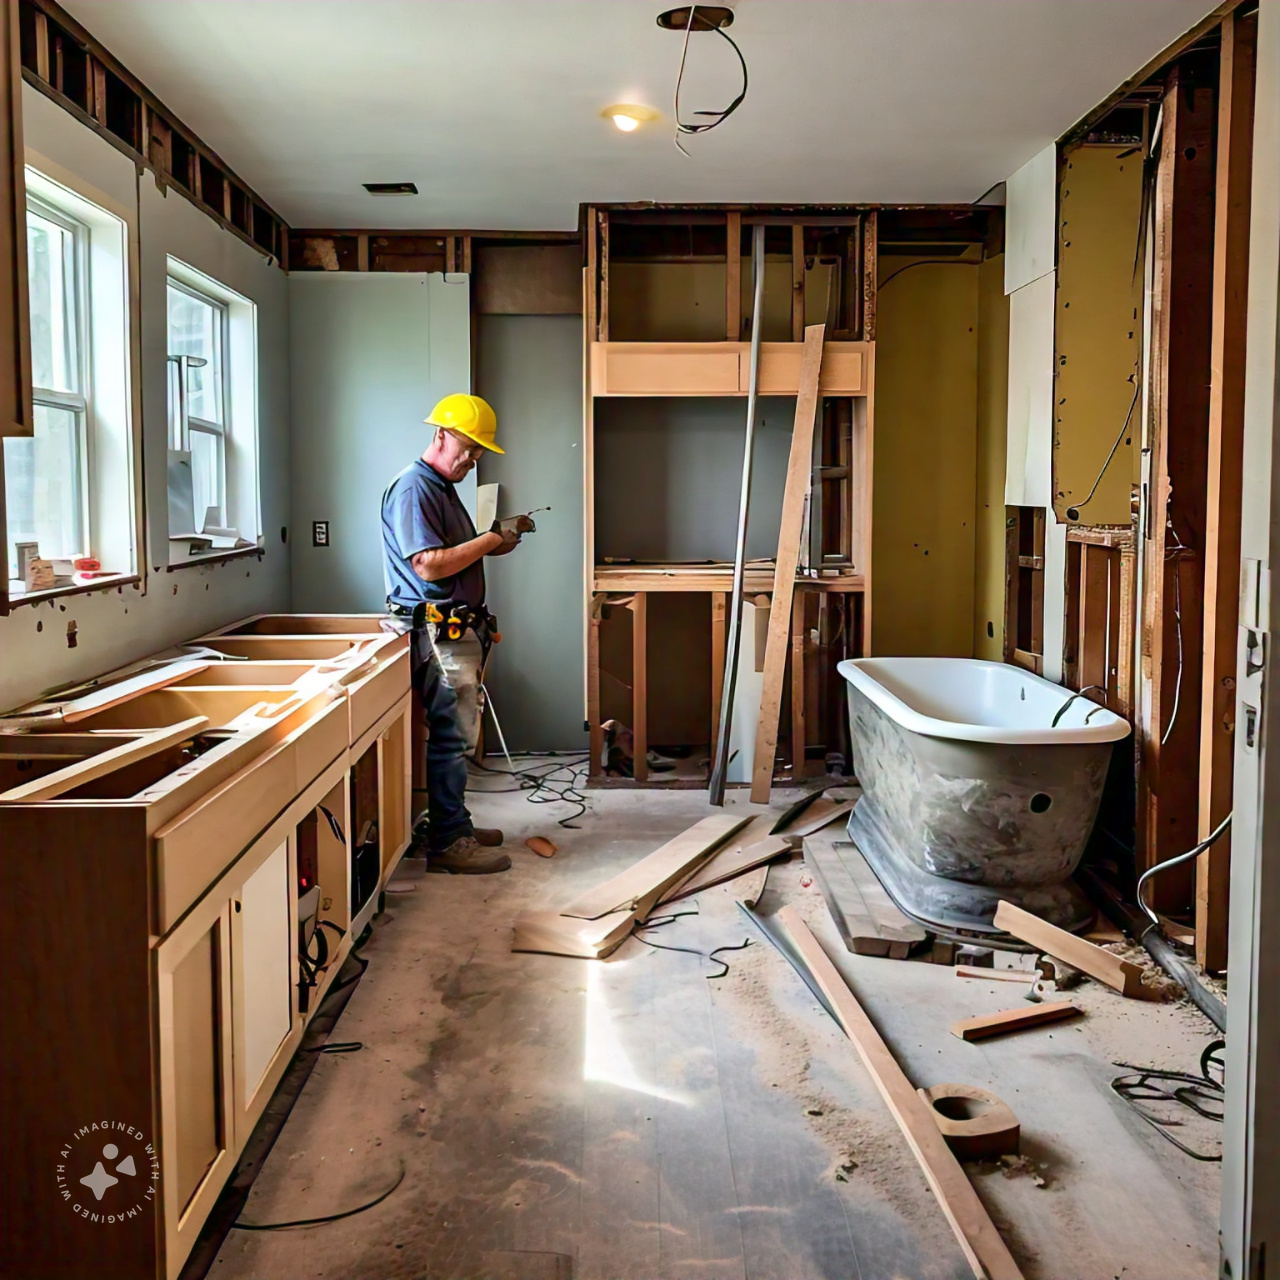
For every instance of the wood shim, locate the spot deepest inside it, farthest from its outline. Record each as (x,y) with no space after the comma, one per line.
(794,495)
(1123,975)
(998,1024)
(640,887)
(987,1254)
(559,935)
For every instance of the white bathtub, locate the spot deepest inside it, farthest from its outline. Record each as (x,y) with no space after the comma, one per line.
(970,792)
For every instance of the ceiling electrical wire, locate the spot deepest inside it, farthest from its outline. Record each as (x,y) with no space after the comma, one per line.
(719,117)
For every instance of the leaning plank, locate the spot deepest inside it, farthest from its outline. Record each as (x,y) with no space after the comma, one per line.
(794,496)
(728,863)
(559,935)
(82,771)
(820,814)
(1019,1019)
(1123,975)
(642,885)
(987,1254)
(865,916)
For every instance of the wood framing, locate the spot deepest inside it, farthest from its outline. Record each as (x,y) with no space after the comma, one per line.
(733,276)
(987,1254)
(15,355)
(1100,622)
(794,497)
(1174,539)
(1224,481)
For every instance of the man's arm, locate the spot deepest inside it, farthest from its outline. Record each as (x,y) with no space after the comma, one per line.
(444,562)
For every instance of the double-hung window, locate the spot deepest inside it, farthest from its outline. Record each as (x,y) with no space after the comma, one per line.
(47,473)
(199,403)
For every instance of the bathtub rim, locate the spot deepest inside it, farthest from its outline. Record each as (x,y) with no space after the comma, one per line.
(1107,727)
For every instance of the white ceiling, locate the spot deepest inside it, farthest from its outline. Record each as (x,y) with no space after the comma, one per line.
(492,106)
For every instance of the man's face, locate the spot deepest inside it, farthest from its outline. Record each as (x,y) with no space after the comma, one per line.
(455,455)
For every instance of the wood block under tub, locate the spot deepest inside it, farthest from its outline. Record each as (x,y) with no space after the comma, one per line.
(863,912)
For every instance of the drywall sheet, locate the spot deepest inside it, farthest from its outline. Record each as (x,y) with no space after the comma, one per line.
(530,369)
(79,636)
(669,473)
(1098,335)
(1031,196)
(925,461)
(1028,462)
(370,354)
(993,415)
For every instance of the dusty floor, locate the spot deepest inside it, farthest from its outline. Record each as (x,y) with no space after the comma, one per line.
(557,1118)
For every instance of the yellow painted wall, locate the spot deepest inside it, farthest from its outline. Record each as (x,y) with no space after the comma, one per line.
(926,445)
(992,430)
(1097,333)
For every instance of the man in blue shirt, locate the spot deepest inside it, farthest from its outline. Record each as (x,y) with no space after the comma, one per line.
(432,555)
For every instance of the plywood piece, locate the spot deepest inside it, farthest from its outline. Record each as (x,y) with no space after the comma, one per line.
(1124,976)
(822,813)
(82,771)
(667,373)
(1007,1020)
(781,369)
(733,860)
(988,1256)
(73,710)
(795,495)
(550,932)
(265,986)
(864,915)
(646,881)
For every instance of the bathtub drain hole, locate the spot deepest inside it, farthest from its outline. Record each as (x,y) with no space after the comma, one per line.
(1040,802)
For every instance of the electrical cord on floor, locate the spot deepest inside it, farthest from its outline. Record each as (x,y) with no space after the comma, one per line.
(544,786)
(328,1217)
(712,957)
(1202,1094)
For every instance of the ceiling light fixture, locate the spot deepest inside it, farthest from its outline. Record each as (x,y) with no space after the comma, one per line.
(628,116)
(702,17)
(391,188)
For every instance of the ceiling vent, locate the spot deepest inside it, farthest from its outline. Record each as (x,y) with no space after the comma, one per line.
(391,188)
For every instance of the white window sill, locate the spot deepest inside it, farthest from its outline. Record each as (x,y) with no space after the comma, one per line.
(213,557)
(19,596)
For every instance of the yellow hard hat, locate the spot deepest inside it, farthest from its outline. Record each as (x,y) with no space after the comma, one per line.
(469,416)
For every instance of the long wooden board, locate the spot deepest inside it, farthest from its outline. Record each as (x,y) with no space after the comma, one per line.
(987,1025)
(554,934)
(820,814)
(1123,975)
(988,1256)
(799,477)
(82,771)
(640,886)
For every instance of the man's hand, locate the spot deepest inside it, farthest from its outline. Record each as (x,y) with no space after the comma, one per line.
(507,532)
(514,524)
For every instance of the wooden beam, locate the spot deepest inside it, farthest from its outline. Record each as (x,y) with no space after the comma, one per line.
(869,252)
(733,276)
(639,607)
(987,1254)
(1173,610)
(15,340)
(797,283)
(799,475)
(603,318)
(799,732)
(362,253)
(988,1025)
(1122,975)
(1225,477)
(719,607)
(1095,603)
(595,735)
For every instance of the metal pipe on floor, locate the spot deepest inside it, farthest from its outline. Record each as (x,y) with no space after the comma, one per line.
(720,761)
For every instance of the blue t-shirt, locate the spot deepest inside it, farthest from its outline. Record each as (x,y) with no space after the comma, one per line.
(421,511)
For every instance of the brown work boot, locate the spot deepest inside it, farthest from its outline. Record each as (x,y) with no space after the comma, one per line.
(490,837)
(465,857)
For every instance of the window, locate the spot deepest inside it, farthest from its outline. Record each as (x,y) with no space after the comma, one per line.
(45,473)
(197,408)
(69,493)
(213,471)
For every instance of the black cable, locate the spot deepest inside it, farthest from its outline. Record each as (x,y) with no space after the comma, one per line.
(338,1046)
(543,788)
(712,957)
(720,116)
(317,1222)
(1203,1094)
(1128,417)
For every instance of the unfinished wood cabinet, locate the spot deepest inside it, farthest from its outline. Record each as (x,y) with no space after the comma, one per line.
(171,823)
(667,344)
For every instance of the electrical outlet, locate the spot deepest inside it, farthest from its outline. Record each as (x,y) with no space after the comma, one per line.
(319,533)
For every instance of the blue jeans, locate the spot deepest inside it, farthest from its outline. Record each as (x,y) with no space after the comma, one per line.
(446,748)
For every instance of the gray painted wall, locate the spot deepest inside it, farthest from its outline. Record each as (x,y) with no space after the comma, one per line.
(114,627)
(530,369)
(669,473)
(371,353)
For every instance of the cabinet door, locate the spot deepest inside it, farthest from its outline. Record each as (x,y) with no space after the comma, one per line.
(196,1136)
(263,977)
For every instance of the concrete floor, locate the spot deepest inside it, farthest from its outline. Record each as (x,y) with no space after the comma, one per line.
(629,1118)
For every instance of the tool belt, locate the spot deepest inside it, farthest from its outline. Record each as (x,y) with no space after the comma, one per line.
(449,620)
